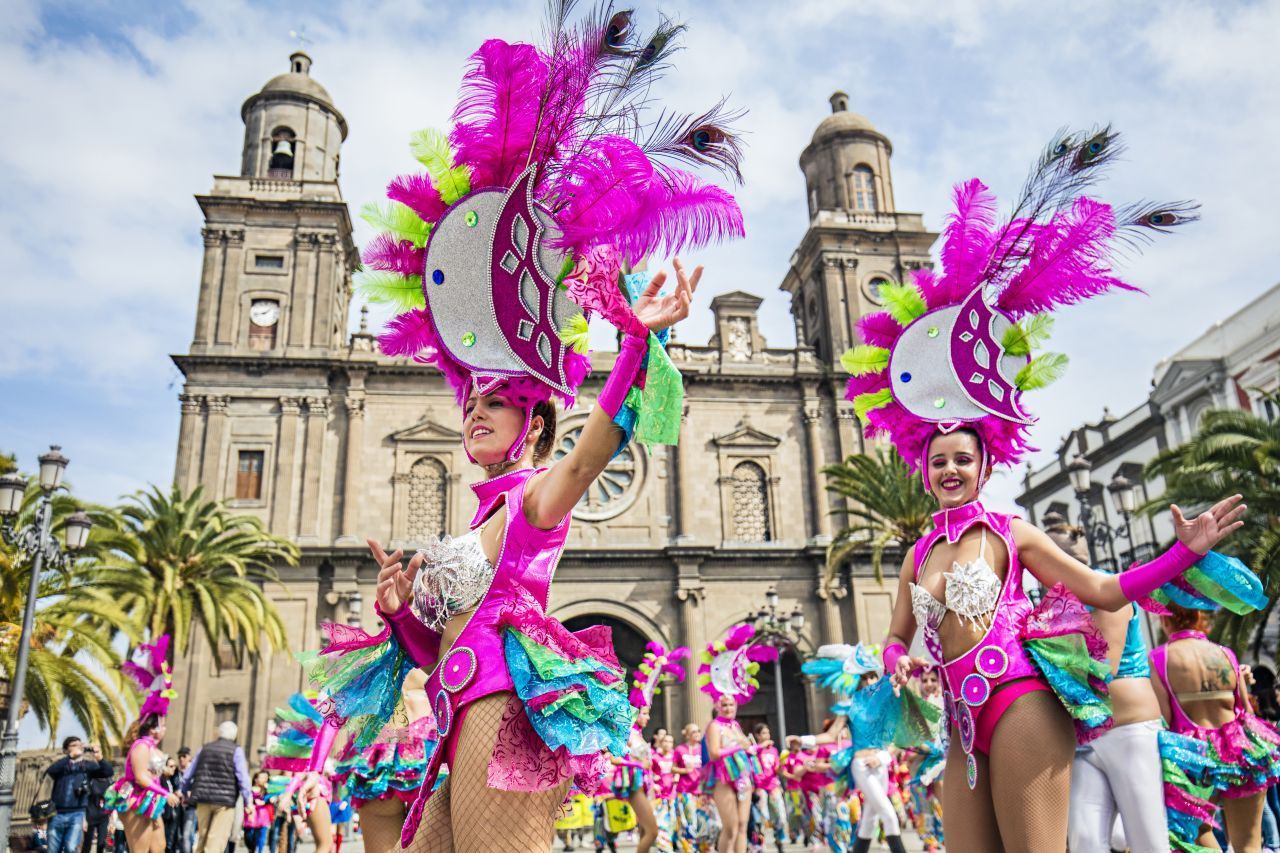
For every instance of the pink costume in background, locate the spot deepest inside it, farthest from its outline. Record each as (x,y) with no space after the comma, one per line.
(148,667)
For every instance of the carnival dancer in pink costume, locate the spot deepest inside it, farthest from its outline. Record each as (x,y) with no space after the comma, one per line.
(697,822)
(769,800)
(304,741)
(138,795)
(942,374)
(728,674)
(633,778)
(1204,698)
(664,791)
(554,180)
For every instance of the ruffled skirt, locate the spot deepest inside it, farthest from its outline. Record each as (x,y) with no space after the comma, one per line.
(127,798)
(1066,646)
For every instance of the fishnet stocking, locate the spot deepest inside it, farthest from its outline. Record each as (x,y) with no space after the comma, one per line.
(973,827)
(380,823)
(1243,819)
(1031,752)
(143,834)
(467,816)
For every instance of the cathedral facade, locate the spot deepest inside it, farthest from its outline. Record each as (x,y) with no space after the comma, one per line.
(288,415)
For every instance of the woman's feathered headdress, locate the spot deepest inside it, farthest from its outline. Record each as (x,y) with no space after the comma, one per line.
(656,665)
(840,666)
(958,349)
(729,666)
(555,177)
(149,669)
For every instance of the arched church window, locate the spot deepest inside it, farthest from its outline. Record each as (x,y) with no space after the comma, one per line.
(750,504)
(873,289)
(864,189)
(283,142)
(428,486)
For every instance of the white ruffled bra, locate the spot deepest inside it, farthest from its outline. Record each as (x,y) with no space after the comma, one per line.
(972,590)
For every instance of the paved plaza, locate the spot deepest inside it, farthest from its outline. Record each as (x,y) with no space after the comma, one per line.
(355,845)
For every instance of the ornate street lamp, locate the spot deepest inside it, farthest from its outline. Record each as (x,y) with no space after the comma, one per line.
(1079,469)
(1125,500)
(36,542)
(781,631)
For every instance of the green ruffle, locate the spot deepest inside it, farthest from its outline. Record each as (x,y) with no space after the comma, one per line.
(662,401)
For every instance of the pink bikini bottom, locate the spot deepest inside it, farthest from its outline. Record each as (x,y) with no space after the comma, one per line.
(993,709)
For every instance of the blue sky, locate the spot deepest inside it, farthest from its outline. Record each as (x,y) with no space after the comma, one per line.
(117,113)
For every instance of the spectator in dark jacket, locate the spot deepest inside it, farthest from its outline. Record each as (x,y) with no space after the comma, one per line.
(71,775)
(96,817)
(218,776)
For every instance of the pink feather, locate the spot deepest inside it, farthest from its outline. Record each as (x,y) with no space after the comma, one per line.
(412,334)
(879,329)
(417,193)
(866,384)
(399,256)
(968,235)
(497,113)
(604,187)
(1067,262)
(681,212)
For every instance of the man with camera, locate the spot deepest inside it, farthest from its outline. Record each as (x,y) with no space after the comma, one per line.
(71,777)
(96,816)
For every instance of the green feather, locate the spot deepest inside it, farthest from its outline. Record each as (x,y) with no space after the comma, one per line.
(864,359)
(904,302)
(431,149)
(864,403)
(1027,334)
(397,220)
(1041,371)
(574,334)
(403,292)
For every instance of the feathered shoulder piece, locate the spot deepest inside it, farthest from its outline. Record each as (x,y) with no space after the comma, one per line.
(657,665)
(558,174)
(839,667)
(149,669)
(960,347)
(728,667)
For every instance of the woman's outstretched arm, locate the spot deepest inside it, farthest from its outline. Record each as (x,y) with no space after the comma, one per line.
(552,495)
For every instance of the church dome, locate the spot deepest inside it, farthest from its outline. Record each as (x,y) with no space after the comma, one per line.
(842,121)
(297,84)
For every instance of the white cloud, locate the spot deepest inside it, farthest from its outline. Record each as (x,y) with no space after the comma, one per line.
(99,230)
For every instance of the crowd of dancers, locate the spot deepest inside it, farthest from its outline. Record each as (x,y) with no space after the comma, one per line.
(475,721)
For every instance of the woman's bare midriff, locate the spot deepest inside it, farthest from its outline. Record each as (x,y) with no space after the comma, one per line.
(958,636)
(1133,701)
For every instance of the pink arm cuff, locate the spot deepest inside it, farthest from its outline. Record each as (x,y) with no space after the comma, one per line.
(1140,581)
(422,644)
(159,790)
(892,653)
(323,746)
(623,375)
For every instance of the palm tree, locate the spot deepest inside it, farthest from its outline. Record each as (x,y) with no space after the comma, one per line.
(1234,452)
(72,663)
(200,564)
(887,502)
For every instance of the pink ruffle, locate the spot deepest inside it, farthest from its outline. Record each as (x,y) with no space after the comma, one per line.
(522,761)
(1060,613)
(523,613)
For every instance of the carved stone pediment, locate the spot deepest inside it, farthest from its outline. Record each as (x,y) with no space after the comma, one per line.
(426,430)
(746,436)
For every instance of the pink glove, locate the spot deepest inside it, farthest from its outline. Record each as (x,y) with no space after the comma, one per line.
(892,653)
(1140,581)
(421,643)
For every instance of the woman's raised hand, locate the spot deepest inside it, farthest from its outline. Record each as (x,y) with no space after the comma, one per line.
(1209,528)
(395,585)
(662,312)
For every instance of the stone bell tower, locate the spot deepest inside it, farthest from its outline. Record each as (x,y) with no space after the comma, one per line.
(857,239)
(278,236)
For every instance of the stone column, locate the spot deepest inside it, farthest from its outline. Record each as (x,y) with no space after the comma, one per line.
(282,519)
(829,591)
(209,284)
(188,459)
(351,470)
(817,482)
(325,290)
(684,486)
(302,289)
(228,307)
(211,468)
(691,594)
(313,466)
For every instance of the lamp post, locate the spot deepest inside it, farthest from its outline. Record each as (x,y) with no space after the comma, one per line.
(781,631)
(1098,532)
(36,542)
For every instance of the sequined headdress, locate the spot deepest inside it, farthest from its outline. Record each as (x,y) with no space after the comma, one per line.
(728,667)
(657,665)
(958,348)
(554,179)
(149,669)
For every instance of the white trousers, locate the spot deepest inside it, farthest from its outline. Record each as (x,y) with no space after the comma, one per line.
(1119,772)
(876,806)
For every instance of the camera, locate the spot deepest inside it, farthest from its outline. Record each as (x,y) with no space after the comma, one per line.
(81,788)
